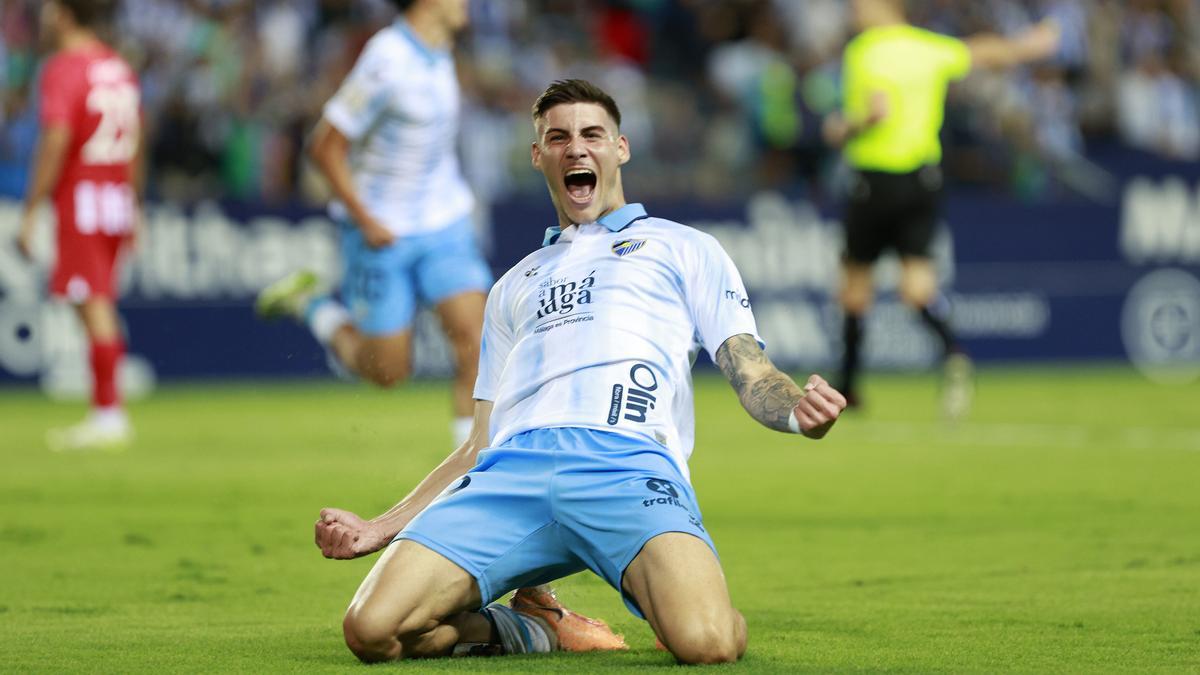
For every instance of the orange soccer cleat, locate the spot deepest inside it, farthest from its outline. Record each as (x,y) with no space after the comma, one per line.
(576,632)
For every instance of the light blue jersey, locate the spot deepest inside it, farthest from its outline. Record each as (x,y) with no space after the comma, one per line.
(400,108)
(600,327)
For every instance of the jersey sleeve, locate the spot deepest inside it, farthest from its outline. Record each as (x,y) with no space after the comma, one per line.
(716,296)
(953,54)
(57,95)
(365,93)
(496,344)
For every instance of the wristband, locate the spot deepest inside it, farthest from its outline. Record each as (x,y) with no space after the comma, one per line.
(793,423)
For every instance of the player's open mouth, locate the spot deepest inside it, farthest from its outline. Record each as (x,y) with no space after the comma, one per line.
(580,184)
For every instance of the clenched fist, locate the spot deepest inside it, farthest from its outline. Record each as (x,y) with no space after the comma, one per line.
(343,535)
(819,409)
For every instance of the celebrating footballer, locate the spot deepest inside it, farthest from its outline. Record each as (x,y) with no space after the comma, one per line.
(583,427)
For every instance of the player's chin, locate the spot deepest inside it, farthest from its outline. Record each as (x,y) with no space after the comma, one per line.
(581,211)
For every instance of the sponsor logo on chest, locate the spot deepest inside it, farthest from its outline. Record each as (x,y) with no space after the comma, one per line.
(561,296)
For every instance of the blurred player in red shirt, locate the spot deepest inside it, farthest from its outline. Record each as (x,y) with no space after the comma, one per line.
(87,162)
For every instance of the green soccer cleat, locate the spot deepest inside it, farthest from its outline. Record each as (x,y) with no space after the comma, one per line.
(288,297)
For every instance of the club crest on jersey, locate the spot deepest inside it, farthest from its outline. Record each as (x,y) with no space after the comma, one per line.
(626,246)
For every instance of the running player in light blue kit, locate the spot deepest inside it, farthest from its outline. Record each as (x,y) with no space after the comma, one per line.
(387,145)
(583,426)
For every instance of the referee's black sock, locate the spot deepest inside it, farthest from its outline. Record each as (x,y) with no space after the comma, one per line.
(940,324)
(852,334)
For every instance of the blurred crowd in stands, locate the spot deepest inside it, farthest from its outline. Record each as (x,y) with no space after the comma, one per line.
(719,97)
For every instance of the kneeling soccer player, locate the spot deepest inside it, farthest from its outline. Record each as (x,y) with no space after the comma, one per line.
(582,430)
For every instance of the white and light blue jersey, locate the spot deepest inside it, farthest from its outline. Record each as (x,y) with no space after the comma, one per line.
(600,327)
(399,106)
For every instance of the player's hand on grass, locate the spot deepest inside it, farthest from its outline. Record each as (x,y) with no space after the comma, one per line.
(376,235)
(819,408)
(342,535)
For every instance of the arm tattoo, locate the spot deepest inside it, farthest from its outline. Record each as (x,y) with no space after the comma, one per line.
(767,394)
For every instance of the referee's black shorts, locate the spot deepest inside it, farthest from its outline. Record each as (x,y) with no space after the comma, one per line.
(897,211)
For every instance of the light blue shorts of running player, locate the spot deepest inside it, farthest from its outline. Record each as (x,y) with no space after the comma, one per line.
(552,502)
(382,287)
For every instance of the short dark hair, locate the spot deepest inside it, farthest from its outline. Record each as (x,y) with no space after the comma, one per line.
(575,91)
(403,5)
(90,13)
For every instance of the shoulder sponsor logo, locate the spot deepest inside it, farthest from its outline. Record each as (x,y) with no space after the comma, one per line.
(626,246)
(532,270)
(738,298)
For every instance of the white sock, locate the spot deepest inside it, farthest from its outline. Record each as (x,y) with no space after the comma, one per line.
(519,634)
(461,429)
(325,317)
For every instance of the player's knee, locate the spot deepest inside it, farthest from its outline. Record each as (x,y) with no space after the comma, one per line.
(371,637)
(387,371)
(379,636)
(706,642)
(917,293)
(466,347)
(918,284)
(389,377)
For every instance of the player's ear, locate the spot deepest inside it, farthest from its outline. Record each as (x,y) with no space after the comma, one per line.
(622,149)
(535,155)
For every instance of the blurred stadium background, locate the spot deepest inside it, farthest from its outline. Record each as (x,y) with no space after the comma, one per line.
(1071,251)
(1072,185)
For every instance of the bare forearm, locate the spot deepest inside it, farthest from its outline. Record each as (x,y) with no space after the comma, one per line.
(47,166)
(330,151)
(990,51)
(996,52)
(767,394)
(771,400)
(454,466)
(839,129)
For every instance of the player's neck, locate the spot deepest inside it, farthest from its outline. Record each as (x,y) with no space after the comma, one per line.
(77,38)
(429,30)
(564,222)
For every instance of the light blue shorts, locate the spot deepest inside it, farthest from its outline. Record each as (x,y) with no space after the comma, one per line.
(552,502)
(382,287)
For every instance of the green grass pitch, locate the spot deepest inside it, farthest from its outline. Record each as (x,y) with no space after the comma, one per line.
(1057,531)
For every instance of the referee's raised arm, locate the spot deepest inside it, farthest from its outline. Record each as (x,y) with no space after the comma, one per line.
(992,51)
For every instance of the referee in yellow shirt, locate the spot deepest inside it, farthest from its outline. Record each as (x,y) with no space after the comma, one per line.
(895,80)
